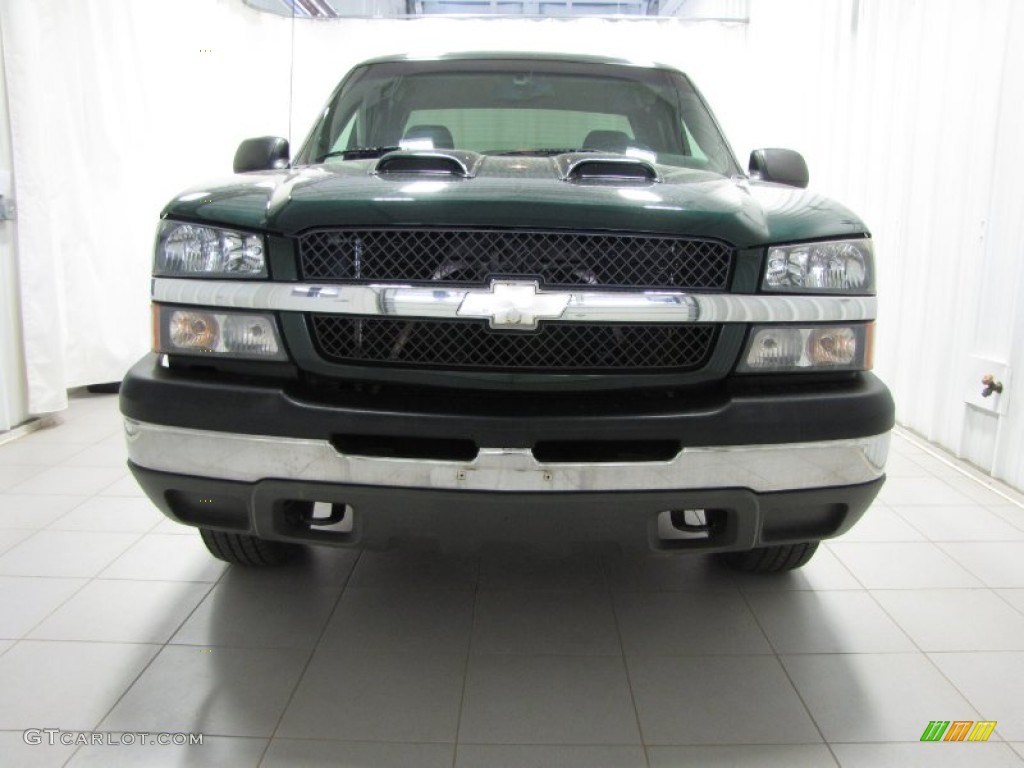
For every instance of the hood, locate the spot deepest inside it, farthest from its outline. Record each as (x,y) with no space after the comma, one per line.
(523,192)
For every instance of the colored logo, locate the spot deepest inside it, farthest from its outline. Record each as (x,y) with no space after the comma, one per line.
(958,730)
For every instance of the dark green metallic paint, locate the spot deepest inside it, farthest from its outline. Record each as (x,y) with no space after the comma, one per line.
(518,192)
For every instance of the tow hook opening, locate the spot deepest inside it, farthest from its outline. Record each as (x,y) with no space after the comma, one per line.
(320,519)
(690,527)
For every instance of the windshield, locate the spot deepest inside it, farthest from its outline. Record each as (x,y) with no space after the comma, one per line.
(519,107)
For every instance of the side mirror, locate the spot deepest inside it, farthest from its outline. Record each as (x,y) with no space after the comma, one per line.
(267,153)
(782,166)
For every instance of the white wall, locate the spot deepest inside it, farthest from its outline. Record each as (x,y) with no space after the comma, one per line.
(13,400)
(909,112)
(115,106)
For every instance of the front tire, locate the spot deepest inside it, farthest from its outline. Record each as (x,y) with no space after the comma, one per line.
(779,559)
(243,549)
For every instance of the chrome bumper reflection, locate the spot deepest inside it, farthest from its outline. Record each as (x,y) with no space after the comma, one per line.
(760,468)
(577,305)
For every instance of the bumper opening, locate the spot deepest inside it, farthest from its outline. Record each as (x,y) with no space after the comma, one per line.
(406,447)
(212,508)
(600,451)
(327,521)
(351,515)
(802,522)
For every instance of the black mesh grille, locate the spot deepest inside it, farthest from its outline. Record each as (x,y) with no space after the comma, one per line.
(554,347)
(557,258)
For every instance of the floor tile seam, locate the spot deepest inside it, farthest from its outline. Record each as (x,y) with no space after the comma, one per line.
(37,467)
(108,486)
(616,620)
(696,589)
(1018,524)
(742,654)
(5,550)
(601,745)
(90,533)
(896,512)
(32,536)
(535,590)
(906,653)
(96,727)
(85,448)
(936,545)
(941,504)
(778,660)
(975,650)
(982,588)
(731,744)
(930,451)
(314,739)
(54,527)
(896,622)
(903,741)
(928,656)
(1018,609)
(100,577)
(773,650)
(88,498)
(828,548)
(409,590)
(188,616)
(34,627)
(750,611)
(20,480)
(309,658)
(475,604)
(930,539)
(66,641)
(99,573)
(951,556)
(624,654)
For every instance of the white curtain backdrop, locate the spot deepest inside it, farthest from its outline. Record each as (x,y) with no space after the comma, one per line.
(908,111)
(115,106)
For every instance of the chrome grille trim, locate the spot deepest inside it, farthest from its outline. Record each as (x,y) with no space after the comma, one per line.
(395,300)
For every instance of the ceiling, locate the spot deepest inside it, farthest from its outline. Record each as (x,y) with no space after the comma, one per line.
(731,10)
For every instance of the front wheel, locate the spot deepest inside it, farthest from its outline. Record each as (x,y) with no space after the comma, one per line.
(779,559)
(243,549)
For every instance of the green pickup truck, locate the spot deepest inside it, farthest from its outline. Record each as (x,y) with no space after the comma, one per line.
(505,297)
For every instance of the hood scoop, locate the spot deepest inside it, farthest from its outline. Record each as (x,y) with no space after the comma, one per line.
(451,163)
(617,168)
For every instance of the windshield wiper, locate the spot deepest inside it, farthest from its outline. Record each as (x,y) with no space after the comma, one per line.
(359,153)
(544,152)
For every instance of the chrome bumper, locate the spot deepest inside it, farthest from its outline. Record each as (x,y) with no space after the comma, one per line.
(759,468)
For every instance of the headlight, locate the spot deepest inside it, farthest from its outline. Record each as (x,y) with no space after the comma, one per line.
(193,250)
(198,331)
(836,266)
(782,348)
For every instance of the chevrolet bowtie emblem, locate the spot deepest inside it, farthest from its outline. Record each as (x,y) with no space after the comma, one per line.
(514,304)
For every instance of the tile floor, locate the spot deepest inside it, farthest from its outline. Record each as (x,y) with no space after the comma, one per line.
(113,619)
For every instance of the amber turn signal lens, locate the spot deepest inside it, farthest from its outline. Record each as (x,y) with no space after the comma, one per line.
(832,346)
(193,331)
